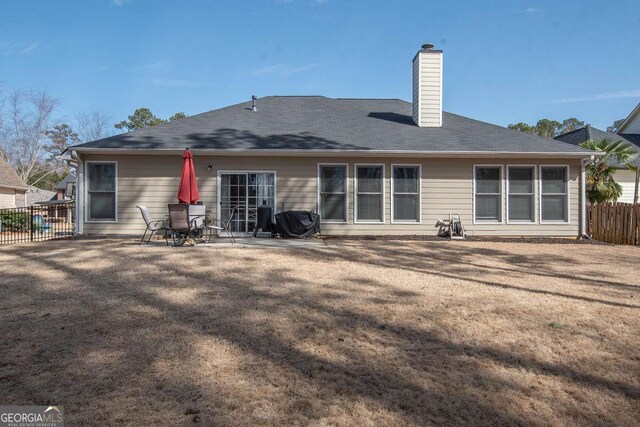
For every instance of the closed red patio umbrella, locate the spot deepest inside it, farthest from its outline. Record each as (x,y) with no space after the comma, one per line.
(188,190)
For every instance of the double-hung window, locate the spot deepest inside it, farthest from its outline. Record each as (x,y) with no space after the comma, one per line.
(521,193)
(488,193)
(554,194)
(369,206)
(406,193)
(332,193)
(101,191)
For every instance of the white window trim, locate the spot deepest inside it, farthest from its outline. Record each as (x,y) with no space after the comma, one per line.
(568,221)
(346,193)
(535,195)
(86,191)
(393,193)
(502,195)
(355,193)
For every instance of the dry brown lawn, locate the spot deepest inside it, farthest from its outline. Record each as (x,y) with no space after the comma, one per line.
(354,333)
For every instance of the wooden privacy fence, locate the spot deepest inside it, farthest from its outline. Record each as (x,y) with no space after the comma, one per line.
(614,223)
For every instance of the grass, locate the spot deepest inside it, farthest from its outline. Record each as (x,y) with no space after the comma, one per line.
(353,333)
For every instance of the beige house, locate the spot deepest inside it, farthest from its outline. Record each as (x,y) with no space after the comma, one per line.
(367,166)
(12,188)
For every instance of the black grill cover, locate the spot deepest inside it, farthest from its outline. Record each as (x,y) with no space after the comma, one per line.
(297,224)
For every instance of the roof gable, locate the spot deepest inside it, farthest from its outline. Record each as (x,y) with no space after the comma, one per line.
(632,123)
(302,123)
(9,178)
(588,132)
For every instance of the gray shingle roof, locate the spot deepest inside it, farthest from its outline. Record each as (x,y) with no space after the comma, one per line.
(62,184)
(586,133)
(320,123)
(9,178)
(35,195)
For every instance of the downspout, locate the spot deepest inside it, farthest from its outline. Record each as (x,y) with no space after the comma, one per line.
(79,192)
(583,198)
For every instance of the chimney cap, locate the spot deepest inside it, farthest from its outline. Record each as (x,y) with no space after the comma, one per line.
(427,46)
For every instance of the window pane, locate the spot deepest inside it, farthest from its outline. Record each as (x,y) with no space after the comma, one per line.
(554,208)
(332,207)
(332,179)
(370,207)
(487,180)
(488,208)
(102,177)
(521,180)
(405,207)
(554,180)
(521,208)
(405,179)
(369,179)
(102,206)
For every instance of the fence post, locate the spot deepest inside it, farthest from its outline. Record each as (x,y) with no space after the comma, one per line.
(31,223)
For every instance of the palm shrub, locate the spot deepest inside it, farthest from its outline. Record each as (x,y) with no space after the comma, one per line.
(600,184)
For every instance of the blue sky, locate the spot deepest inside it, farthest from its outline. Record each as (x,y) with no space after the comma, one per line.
(505,61)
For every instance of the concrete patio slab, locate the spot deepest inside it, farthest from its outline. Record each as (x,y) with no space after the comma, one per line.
(222,242)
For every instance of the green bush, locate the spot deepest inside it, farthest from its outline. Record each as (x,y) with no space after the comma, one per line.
(14,221)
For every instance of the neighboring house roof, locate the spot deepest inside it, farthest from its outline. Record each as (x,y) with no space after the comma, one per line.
(9,178)
(630,118)
(588,132)
(317,123)
(35,195)
(62,184)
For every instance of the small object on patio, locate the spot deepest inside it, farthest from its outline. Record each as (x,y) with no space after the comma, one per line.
(451,228)
(152,226)
(197,215)
(263,220)
(303,224)
(179,225)
(219,225)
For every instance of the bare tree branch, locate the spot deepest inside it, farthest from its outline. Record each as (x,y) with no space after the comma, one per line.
(29,119)
(93,125)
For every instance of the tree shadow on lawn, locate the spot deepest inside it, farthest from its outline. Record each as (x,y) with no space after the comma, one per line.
(461,263)
(104,335)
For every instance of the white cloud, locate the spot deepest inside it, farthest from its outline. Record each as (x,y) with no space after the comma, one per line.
(279,70)
(531,10)
(634,93)
(29,48)
(161,64)
(119,3)
(178,83)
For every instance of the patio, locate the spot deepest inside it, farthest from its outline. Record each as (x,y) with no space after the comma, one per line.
(340,333)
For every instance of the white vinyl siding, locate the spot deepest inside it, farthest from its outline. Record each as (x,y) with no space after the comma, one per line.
(627,180)
(554,193)
(7,197)
(102,190)
(427,89)
(369,193)
(521,190)
(446,185)
(332,192)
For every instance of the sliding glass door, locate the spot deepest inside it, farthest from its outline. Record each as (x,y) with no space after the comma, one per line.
(246,191)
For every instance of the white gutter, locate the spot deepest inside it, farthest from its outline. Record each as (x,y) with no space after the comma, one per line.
(330,153)
(583,197)
(79,191)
